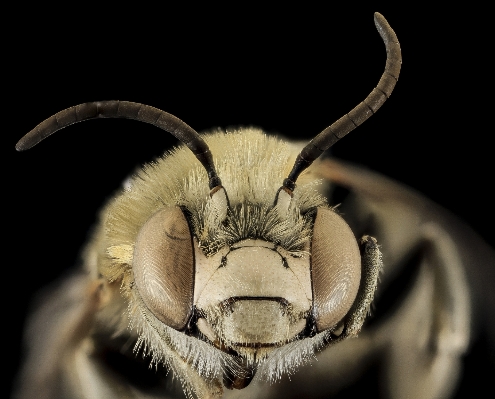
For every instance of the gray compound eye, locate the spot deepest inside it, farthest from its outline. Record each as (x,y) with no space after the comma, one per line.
(335,268)
(163,267)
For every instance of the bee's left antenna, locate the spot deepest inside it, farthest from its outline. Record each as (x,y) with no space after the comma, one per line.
(360,113)
(127,110)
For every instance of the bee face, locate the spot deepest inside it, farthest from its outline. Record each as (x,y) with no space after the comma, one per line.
(252,281)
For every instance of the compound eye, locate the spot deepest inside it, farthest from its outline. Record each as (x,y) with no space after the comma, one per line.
(163,266)
(335,268)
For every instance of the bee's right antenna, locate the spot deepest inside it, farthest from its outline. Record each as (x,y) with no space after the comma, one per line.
(127,110)
(359,114)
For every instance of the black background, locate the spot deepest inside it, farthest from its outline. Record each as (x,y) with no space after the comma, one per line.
(291,71)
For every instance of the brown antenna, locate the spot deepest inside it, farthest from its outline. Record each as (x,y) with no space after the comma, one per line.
(360,113)
(127,110)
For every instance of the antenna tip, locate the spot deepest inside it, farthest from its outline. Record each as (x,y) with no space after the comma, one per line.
(378,16)
(21,146)
(26,142)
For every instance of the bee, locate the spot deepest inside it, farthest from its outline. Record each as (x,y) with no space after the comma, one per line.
(188,241)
